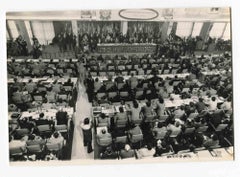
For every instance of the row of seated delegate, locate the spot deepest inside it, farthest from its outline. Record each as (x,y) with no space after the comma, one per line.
(188,131)
(32,95)
(148,88)
(40,135)
(40,69)
(41,109)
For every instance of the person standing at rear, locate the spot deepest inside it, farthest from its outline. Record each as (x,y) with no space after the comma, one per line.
(87,134)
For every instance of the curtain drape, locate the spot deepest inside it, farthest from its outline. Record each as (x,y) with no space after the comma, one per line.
(43,31)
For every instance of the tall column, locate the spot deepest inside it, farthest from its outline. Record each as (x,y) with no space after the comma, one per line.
(75,29)
(205,30)
(223,30)
(164,31)
(124,27)
(23,32)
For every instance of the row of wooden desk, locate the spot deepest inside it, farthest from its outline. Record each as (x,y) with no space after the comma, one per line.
(46,80)
(169,103)
(49,114)
(163,76)
(42,60)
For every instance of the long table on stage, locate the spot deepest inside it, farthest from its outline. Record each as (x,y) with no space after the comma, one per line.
(19,60)
(148,48)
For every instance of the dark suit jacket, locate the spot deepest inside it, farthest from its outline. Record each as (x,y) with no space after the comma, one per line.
(61,118)
(43,122)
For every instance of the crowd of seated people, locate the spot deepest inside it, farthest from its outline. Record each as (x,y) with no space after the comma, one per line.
(134,66)
(38,68)
(124,78)
(153,134)
(29,95)
(33,138)
(34,146)
(144,124)
(203,122)
(41,105)
(40,134)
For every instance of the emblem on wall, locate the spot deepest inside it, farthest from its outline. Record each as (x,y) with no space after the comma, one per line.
(105,14)
(88,14)
(138,14)
(167,14)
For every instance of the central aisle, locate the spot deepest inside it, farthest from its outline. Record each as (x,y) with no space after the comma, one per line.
(83,110)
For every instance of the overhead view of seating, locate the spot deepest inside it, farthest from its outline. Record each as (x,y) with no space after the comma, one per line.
(120,89)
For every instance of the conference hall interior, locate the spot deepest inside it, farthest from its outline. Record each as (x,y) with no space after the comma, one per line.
(129,84)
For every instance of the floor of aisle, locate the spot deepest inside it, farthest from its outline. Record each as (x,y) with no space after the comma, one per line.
(83,110)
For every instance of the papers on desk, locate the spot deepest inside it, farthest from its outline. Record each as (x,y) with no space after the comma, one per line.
(55,60)
(13,115)
(75,60)
(209,73)
(44,79)
(19,60)
(43,60)
(108,110)
(97,109)
(118,106)
(46,60)
(10,80)
(164,76)
(69,110)
(48,114)
(168,103)
(26,114)
(33,60)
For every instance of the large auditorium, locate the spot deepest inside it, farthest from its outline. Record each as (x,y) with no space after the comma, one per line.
(120,85)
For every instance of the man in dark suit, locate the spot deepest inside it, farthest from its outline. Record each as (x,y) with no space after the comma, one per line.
(90,87)
(61,118)
(42,120)
(119,78)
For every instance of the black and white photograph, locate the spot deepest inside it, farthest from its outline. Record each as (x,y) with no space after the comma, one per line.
(120,85)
